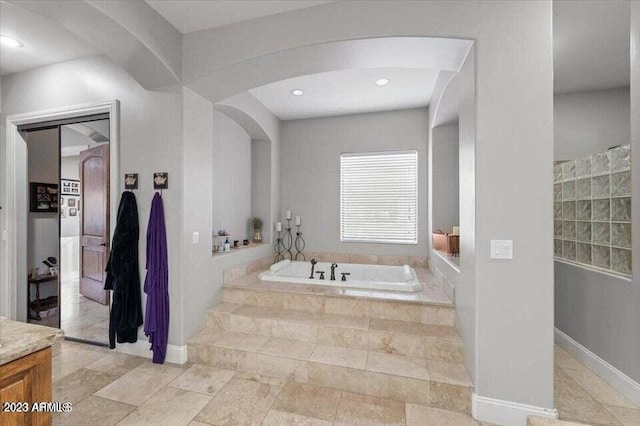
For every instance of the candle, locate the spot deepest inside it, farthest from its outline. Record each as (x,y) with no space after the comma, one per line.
(279,226)
(298,220)
(288,214)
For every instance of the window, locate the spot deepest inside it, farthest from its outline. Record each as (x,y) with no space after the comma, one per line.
(379,197)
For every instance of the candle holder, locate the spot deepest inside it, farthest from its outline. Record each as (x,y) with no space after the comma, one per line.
(279,248)
(287,241)
(299,244)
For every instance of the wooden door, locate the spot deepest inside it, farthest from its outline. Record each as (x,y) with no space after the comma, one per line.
(94,222)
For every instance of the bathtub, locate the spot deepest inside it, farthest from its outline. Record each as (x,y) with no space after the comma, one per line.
(374,277)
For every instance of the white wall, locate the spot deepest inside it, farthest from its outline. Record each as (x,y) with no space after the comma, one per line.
(513,323)
(513,299)
(635,158)
(459,95)
(69,169)
(232,171)
(42,228)
(261,186)
(4,290)
(311,151)
(43,233)
(69,225)
(271,127)
(590,122)
(202,272)
(444,173)
(597,310)
(150,134)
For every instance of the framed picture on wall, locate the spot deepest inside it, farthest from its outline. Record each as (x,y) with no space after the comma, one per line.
(73,212)
(71,202)
(44,197)
(70,186)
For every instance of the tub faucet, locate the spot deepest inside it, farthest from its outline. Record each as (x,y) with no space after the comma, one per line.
(334,265)
(313,266)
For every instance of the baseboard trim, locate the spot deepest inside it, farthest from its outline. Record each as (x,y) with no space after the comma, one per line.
(610,374)
(507,413)
(175,354)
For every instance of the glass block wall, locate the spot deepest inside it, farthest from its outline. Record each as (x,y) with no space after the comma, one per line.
(592,210)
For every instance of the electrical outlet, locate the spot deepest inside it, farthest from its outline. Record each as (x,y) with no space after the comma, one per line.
(195,237)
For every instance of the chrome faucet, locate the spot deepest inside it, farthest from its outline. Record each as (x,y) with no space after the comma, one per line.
(334,265)
(313,266)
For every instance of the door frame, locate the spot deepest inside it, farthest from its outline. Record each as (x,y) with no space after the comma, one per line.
(13,289)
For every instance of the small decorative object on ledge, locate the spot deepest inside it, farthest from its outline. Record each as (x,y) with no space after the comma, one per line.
(299,243)
(222,241)
(278,247)
(284,242)
(287,238)
(257,230)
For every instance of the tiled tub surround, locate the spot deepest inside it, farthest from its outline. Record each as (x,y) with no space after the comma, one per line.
(396,345)
(592,210)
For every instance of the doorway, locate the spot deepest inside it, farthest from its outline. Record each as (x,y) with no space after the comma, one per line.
(66,291)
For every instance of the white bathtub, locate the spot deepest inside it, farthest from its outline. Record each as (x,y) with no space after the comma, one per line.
(374,277)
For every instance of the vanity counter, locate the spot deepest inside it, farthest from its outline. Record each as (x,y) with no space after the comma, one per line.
(19,339)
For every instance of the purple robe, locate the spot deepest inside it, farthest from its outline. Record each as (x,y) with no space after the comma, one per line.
(156,283)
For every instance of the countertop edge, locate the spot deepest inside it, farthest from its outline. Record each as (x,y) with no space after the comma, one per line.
(21,339)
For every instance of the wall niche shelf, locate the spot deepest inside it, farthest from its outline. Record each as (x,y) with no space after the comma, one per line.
(240,248)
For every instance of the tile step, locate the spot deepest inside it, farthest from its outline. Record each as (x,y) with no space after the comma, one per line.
(419,312)
(407,379)
(429,341)
(541,421)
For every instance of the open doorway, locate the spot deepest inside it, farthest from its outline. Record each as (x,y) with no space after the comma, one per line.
(69,236)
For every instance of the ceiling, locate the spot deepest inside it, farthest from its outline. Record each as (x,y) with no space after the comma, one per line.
(348,92)
(84,134)
(44,42)
(188,16)
(591,45)
(591,38)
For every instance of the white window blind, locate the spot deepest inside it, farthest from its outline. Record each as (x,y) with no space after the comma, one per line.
(379,197)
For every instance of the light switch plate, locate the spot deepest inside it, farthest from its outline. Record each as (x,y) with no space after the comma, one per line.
(501,249)
(195,238)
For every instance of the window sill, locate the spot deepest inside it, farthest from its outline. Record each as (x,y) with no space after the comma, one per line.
(453,261)
(608,272)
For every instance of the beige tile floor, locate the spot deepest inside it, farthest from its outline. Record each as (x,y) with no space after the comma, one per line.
(109,388)
(82,317)
(582,396)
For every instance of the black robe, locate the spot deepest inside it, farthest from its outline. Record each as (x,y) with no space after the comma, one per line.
(123,275)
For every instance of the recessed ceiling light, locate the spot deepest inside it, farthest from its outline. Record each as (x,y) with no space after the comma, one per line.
(297,92)
(9,42)
(382,81)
